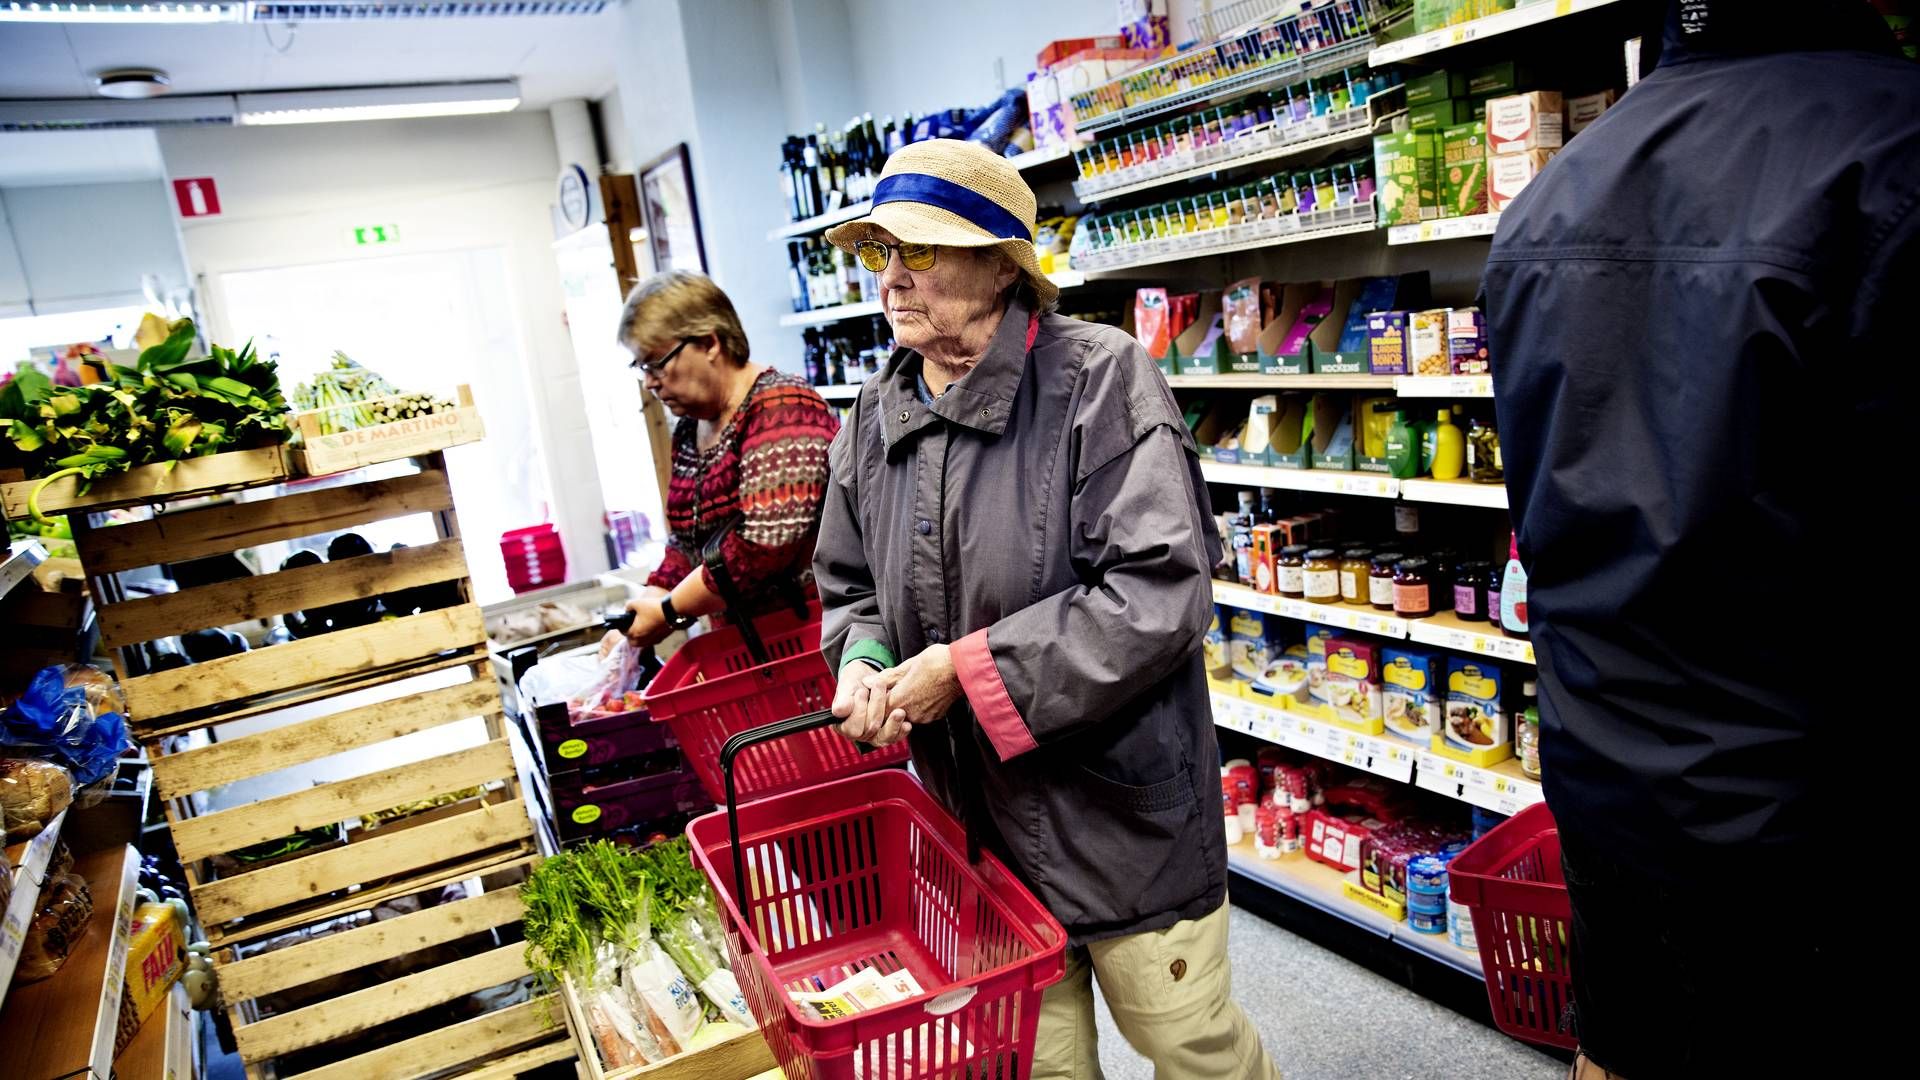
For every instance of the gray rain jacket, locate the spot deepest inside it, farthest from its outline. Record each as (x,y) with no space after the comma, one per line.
(1047,518)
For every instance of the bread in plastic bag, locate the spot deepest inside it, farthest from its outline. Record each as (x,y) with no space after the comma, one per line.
(66,909)
(32,794)
(71,714)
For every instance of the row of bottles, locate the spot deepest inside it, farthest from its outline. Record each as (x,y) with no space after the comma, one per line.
(823,170)
(820,275)
(847,353)
(1440,449)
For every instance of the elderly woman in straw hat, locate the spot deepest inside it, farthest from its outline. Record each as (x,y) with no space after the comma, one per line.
(1013,562)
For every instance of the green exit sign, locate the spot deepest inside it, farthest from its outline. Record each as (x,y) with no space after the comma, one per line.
(365,235)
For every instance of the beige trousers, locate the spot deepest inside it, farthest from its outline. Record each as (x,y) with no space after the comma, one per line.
(1171,994)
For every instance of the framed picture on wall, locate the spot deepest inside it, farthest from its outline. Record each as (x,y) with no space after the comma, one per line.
(673,219)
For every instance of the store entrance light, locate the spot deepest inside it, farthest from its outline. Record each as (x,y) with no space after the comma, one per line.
(133,12)
(378,103)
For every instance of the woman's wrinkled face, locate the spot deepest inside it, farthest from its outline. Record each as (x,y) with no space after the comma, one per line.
(692,381)
(933,308)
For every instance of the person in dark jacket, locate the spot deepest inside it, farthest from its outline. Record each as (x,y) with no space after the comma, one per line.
(1013,566)
(1701,314)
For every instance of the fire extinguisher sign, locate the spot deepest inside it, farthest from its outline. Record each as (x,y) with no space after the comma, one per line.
(196,197)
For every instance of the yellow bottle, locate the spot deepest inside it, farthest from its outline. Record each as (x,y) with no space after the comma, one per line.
(1449,448)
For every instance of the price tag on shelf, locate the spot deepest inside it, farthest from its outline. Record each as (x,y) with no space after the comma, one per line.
(1563,7)
(1314,127)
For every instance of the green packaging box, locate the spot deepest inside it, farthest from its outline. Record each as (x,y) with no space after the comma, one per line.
(1436,86)
(1463,170)
(1445,113)
(1407,165)
(1505,77)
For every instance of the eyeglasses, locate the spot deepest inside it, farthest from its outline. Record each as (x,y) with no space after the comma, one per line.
(874,255)
(644,368)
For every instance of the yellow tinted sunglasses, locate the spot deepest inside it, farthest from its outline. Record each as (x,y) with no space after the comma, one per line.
(874,255)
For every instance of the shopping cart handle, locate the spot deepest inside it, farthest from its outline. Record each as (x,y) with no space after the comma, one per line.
(731,749)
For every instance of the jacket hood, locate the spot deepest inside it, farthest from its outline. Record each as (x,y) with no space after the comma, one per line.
(1721,27)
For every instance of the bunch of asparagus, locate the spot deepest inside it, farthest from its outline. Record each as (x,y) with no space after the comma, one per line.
(354,397)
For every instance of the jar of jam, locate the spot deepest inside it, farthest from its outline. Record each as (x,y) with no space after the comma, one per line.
(1321,576)
(1356,566)
(1442,567)
(1380,579)
(1470,591)
(1289,568)
(1412,589)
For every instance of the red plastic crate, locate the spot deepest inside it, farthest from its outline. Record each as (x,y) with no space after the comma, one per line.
(871,872)
(1512,882)
(712,689)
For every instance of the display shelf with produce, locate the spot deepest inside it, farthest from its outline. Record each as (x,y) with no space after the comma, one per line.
(1443,386)
(1460,492)
(425,427)
(1266,384)
(820,223)
(27,862)
(1380,755)
(1453,228)
(1345,616)
(1501,788)
(235,470)
(66,1024)
(1325,888)
(1450,631)
(1479,29)
(1253,148)
(1326,481)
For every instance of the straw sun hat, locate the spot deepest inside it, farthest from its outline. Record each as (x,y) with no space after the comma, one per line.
(953,194)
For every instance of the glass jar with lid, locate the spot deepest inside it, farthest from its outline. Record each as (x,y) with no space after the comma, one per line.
(1321,576)
(1289,569)
(1470,591)
(1380,579)
(1412,589)
(1356,565)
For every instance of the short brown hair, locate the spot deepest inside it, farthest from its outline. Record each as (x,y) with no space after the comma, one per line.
(677,305)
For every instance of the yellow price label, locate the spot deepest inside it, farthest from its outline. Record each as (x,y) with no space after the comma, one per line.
(1563,7)
(1460,33)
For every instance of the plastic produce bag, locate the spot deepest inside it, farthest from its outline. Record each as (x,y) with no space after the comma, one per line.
(71,714)
(32,794)
(66,909)
(662,996)
(586,682)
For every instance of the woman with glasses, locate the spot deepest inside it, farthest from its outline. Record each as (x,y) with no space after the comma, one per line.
(1013,564)
(749,458)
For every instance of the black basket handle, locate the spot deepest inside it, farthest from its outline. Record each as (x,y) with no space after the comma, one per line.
(798,725)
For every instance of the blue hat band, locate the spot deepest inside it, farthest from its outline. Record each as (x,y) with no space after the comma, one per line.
(947,195)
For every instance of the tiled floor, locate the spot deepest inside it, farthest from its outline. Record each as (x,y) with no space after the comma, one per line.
(1287,984)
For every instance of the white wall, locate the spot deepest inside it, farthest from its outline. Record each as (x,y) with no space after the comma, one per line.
(75,247)
(291,196)
(922,55)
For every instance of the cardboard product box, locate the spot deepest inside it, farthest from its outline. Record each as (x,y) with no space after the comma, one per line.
(1427,343)
(1353,684)
(1435,115)
(1286,439)
(1585,109)
(1299,529)
(1266,544)
(1201,348)
(1467,342)
(1412,695)
(1509,174)
(1463,169)
(1530,121)
(1407,165)
(1339,341)
(1055,51)
(1047,113)
(155,958)
(1329,432)
(1213,647)
(1372,417)
(1387,342)
(1505,77)
(1477,727)
(1254,639)
(1436,86)
(1285,339)
(1431,15)
(1283,685)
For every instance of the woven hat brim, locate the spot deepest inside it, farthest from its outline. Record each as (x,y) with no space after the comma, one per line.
(918,223)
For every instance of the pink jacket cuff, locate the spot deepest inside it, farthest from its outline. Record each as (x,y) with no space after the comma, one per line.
(980,679)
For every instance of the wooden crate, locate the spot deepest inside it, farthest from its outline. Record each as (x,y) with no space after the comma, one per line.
(741,1057)
(320,454)
(294,700)
(208,475)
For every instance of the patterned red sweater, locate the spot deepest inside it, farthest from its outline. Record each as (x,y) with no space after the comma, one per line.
(768,466)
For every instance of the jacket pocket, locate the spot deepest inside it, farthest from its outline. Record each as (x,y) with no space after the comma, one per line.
(1174,792)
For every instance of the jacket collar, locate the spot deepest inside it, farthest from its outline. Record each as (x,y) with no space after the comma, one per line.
(1698,28)
(981,400)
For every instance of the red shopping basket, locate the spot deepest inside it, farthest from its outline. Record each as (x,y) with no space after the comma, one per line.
(715,688)
(1512,882)
(869,871)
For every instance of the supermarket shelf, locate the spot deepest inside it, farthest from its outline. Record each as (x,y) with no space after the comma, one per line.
(1363,620)
(1325,481)
(28,863)
(838,393)
(65,1025)
(1450,631)
(823,316)
(1455,493)
(1272,153)
(1381,755)
(809,226)
(1501,788)
(1443,386)
(22,557)
(1462,33)
(1459,228)
(1280,382)
(1184,254)
(1034,159)
(1324,888)
(1299,69)
(1067,279)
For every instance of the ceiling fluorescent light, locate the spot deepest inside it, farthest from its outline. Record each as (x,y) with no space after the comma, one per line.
(23,11)
(79,114)
(378,103)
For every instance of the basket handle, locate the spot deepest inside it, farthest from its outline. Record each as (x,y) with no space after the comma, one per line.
(732,748)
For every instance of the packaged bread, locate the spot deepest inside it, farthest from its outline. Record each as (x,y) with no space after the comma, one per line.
(32,794)
(66,907)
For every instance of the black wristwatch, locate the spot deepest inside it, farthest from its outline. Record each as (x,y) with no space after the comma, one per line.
(673,618)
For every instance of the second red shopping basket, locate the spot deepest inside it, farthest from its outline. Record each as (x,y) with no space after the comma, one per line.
(1512,882)
(715,687)
(870,871)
